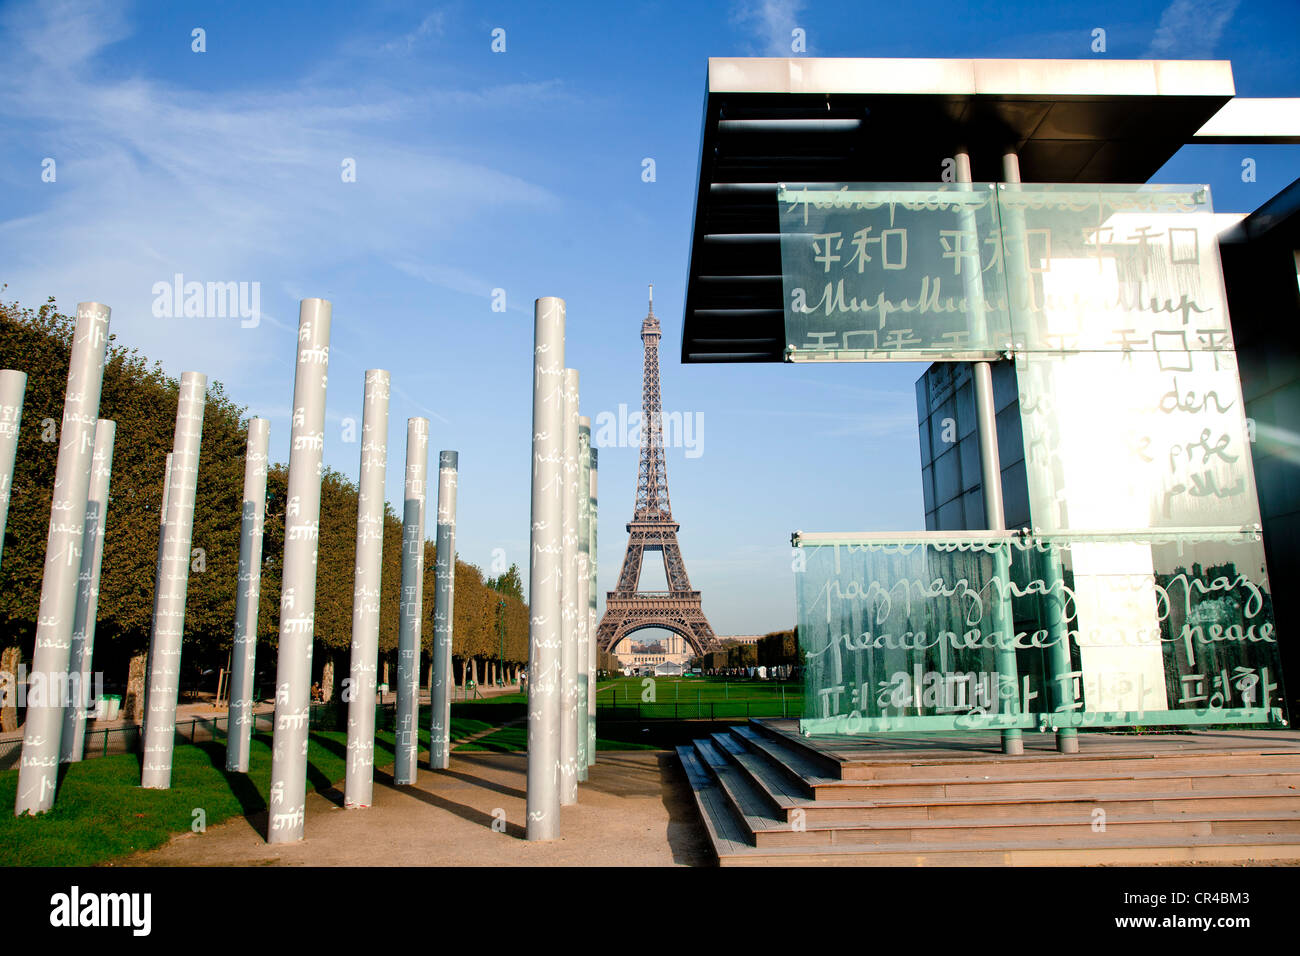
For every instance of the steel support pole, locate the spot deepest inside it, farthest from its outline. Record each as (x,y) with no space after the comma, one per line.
(569,583)
(991,481)
(363,670)
(39,770)
(243,663)
(73,743)
(13,385)
(544,576)
(583,590)
(157,580)
(411,623)
(593,652)
(1058,655)
(165,654)
(288,796)
(444,586)
(1058,650)
(442,680)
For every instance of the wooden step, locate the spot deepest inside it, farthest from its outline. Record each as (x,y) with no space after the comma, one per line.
(772,787)
(1034,768)
(1222,750)
(1162,795)
(771,813)
(802,774)
(779,795)
(763,798)
(1025,830)
(1133,851)
(779,787)
(1070,783)
(1155,804)
(748,805)
(725,835)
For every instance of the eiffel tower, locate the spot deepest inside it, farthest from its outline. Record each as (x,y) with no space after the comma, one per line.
(652,528)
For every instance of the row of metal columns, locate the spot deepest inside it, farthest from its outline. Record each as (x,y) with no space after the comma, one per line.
(562,588)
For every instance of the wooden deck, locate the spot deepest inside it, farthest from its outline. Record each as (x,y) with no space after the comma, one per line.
(767,794)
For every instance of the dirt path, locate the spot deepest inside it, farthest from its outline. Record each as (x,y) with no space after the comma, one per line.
(635,810)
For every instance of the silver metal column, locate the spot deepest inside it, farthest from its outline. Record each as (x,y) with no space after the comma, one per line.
(243,661)
(39,770)
(298,578)
(13,385)
(544,577)
(991,479)
(83,622)
(569,595)
(1067,738)
(359,782)
(582,592)
(158,586)
(412,604)
(165,654)
(444,598)
(990,463)
(593,652)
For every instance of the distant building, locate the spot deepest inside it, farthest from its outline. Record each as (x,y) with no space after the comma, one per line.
(642,658)
(950,456)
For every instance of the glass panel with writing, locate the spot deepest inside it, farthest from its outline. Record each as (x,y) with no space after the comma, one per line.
(903,635)
(1172,628)
(892,271)
(1114,267)
(948,632)
(1135,440)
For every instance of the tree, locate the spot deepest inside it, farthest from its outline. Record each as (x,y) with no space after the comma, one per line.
(508,583)
(142,399)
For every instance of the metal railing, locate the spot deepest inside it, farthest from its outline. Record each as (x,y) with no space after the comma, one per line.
(698,709)
(128,739)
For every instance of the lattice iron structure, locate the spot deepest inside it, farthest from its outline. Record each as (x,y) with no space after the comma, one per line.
(652,528)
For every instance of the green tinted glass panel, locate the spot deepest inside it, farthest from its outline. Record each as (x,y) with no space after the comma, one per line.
(879,272)
(947,271)
(1112,268)
(1136,440)
(948,632)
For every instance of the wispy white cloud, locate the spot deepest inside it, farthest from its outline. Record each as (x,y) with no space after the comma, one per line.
(1191,28)
(63,34)
(431,26)
(457,280)
(245,185)
(771,22)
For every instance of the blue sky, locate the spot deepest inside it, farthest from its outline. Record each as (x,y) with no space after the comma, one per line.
(518,171)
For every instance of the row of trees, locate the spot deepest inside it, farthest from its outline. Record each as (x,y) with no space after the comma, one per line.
(142,399)
(777,647)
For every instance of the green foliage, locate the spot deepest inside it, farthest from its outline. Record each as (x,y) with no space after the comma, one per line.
(142,399)
(508,583)
(776,647)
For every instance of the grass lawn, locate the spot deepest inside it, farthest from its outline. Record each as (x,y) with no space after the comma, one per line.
(706,698)
(101,811)
(630,689)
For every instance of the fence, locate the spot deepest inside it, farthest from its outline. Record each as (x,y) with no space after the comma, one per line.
(699,709)
(127,739)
